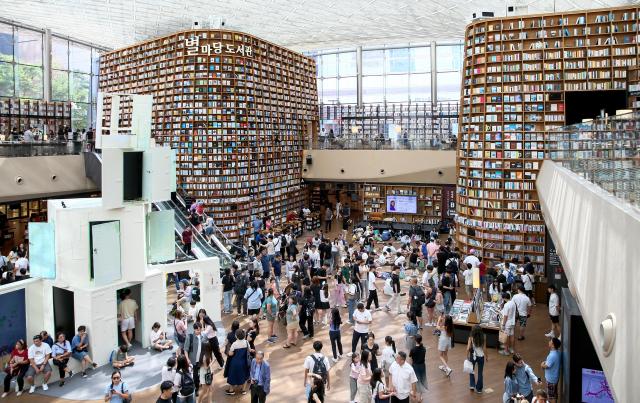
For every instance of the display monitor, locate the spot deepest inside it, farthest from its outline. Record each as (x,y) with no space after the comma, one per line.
(595,388)
(402,204)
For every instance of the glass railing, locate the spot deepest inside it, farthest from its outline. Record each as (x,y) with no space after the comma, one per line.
(355,142)
(40,148)
(604,151)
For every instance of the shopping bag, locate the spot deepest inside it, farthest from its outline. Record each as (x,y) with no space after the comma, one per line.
(467,367)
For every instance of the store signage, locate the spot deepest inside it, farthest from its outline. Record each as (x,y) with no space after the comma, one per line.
(195,48)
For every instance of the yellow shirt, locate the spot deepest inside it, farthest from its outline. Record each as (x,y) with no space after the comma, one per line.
(127,308)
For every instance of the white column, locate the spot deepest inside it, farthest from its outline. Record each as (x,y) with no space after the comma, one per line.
(434,74)
(359,77)
(46,64)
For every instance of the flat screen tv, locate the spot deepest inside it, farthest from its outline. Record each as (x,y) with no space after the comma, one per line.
(402,204)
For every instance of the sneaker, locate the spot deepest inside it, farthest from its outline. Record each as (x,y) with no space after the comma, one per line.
(472,388)
(550,334)
(84,374)
(32,389)
(4,395)
(441,367)
(305,337)
(19,393)
(45,386)
(448,371)
(478,392)
(335,360)
(229,392)
(61,384)
(503,352)
(349,354)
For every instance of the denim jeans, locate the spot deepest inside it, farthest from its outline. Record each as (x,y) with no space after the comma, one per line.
(227,300)
(336,342)
(447,302)
(187,399)
(472,379)
(351,307)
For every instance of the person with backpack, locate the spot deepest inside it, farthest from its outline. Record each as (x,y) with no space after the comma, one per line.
(447,291)
(318,364)
(416,300)
(193,350)
(241,284)
(307,310)
(184,381)
(117,391)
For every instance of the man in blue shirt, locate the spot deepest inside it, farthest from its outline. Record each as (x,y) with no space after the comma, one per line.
(524,377)
(260,378)
(551,368)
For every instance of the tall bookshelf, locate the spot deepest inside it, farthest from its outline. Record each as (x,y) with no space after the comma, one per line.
(516,73)
(432,204)
(237,110)
(21,114)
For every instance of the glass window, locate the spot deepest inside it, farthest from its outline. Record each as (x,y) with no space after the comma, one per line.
(95,61)
(420,87)
(348,90)
(6,80)
(330,91)
(29,81)
(80,115)
(94,88)
(319,85)
(6,43)
(79,58)
(79,87)
(397,88)
(59,85)
(397,60)
(29,49)
(449,57)
(347,64)
(318,60)
(329,65)
(420,59)
(59,53)
(449,86)
(373,89)
(372,62)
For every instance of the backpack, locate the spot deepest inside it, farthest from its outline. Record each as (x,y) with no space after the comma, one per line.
(452,265)
(309,306)
(510,277)
(187,386)
(195,294)
(283,242)
(418,298)
(241,285)
(319,368)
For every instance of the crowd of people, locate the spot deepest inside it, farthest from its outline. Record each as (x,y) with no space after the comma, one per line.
(14,266)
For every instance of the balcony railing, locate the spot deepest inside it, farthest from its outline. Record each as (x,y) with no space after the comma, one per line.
(604,151)
(40,148)
(355,142)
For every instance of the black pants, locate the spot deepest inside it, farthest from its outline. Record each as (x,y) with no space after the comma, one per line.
(306,323)
(396,400)
(215,346)
(257,394)
(334,336)
(187,248)
(373,297)
(196,375)
(61,364)
(19,378)
(362,337)
(241,304)
(327,225)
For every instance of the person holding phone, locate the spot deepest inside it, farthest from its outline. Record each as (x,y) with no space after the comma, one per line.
(117,391)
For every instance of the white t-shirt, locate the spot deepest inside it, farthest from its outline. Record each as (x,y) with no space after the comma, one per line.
(315,258)
(277,244)
(309,363)
(270,248)
(402,378)
(372,281)
(522,303)
(365,256)
(168,374)
(509,310)
(399,261)
(527,282)
(155,335)
(22,263)
(39,354)
(362,316)
(468,277)
(475,262)
(382,260)
(554,304)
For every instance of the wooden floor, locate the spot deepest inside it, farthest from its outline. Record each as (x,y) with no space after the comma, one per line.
(287,372)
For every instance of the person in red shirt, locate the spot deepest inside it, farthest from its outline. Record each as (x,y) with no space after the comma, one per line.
(18,365)
(187,235)
(482,269)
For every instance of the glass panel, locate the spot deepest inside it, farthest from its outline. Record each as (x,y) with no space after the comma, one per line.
(397,88)
(29,49)
(42,254)
(79,88)
(80,116)
(347,88)
(59,85)
(420,87)
(372,62)
(397,60)
(329,65)
(59,53)
(6,43)
(160,237)
(329,91)
(95,61)
(6,80)
(319,84)
(29,81)
(94,88)
(79,58)
(420,59)
(348,66)
(318,66)
(449,86)
(373,89)
(449,58)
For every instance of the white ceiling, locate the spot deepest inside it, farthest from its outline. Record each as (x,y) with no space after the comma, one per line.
(298,24)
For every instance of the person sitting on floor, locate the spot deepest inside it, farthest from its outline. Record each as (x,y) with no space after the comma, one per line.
(159,339)
(80,348)
(120,358)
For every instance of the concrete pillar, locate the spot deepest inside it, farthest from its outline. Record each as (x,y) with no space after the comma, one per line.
(46,64)
(359,76)
(434,74)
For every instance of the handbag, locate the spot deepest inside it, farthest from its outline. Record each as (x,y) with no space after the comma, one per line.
(181,337)
(467,368)
(208,377)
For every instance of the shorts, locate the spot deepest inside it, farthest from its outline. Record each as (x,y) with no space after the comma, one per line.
(32,372)
(270,318)
(79,355)
(253,311)
(522,321)
(528,293)
(554,319)
(417,310)
(482,280)
(127,324)
(444,343)
(552,390)
(293,325)
(509,330)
